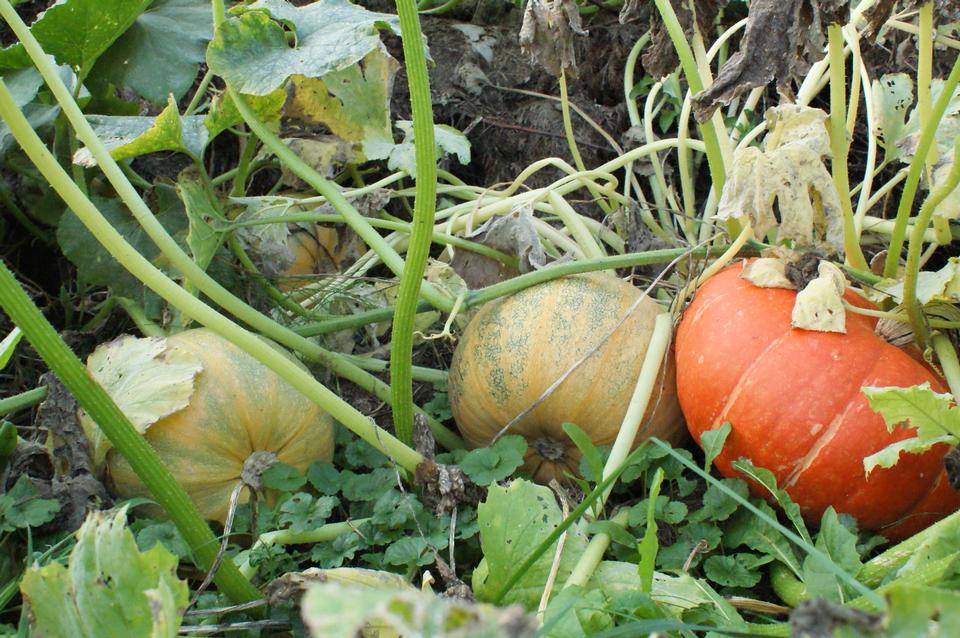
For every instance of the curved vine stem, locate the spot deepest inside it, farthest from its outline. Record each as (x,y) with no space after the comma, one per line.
(421,230)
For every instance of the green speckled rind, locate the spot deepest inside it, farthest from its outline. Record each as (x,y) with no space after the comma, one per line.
(239,407)
(515,347)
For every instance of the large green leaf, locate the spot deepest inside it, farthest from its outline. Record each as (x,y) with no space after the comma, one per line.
(161,51)
(24,84)
(251,53)
(77,32)
(94,264)
(110,587)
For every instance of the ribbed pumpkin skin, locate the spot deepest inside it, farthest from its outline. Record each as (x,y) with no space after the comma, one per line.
(794,402)
(239,406)
(517,346)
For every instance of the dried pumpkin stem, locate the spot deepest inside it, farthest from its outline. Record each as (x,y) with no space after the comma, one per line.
(124,437)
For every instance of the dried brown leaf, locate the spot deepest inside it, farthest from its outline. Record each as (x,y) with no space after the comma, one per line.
(546,34)
(660,58)
(782,39)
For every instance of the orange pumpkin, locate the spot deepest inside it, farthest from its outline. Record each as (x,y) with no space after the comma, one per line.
(516,347)
(793,400)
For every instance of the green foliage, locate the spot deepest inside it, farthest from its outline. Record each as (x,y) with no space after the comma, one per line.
(108,587)
(21,507)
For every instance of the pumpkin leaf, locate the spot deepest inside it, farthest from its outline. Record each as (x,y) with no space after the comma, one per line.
(354,103)
(223,111)
(935,417)
(917,611)
(514,520)
(250,49)
(790,171)
(495,463)
(109,587)
(931,413)
(160,52)
(932,285)
(133,135)
(77,32)
(147,380)
(819,306)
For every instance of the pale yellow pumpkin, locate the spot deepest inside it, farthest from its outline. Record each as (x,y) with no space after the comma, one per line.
(238,406)
(517,346)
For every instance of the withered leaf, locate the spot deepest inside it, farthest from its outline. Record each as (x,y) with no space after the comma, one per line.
(782,39)
(819,306)
(546,34)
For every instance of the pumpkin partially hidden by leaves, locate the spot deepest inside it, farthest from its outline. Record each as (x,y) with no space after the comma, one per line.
(206,407)
(793,399)
(516,347)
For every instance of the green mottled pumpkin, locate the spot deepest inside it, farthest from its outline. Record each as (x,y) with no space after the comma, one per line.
(238,407)
(517,346)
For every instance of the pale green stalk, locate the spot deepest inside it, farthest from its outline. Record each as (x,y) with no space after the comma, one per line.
(572,140)
(839,145)
(593,554)
(646,381)
(947,356)
(578,229)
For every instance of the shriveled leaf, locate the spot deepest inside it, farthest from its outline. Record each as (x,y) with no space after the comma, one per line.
(514,520)
(109,587)
(932,285)
(448,140)
(250,50)
(819,306)
(789,170)
(77,32)
(547,34)
(767,272)
(354,103)
(223,112)
(781,40)
(147,380)
(160,52)
(892,97)
(324,153)
(516,235)
(339,610)
(132,135)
